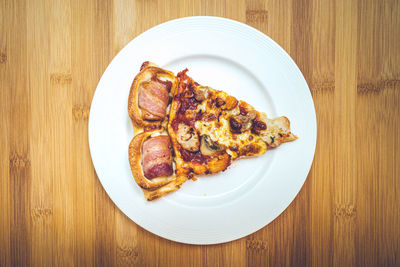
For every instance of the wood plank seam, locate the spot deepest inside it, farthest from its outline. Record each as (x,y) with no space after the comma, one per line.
(40,213)
(322,86)
(256,16)
(61,78)
(347,211)
(18,162)
(127,254)
(378,87)
(80,112)
(257,246)
(3,58)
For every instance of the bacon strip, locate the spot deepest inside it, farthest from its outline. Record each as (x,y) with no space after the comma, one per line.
(153,100)
(157,157)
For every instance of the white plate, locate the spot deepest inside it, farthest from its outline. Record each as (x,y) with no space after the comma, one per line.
(229,56)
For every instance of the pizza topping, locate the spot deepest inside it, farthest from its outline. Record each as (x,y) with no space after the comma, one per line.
(150,117)
(201,93)
(210,117)
(181,118)
(157,157)
(209,147)
(197,157)
(241,123)
(166,83)
(188,103)
(235,124)
(188,138)
(258,126)
(249,150)
(153,100)
(243,110)
(234,148)
(162,169)
(247,120)
(182,74)
(230,103)
(219,102)
(199,115)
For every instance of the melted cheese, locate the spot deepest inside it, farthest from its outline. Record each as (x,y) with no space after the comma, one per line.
(245,143)
(221,134)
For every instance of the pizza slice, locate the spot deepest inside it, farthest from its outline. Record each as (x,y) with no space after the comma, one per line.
(150,151)
(150,158)
(150,96)
(210,128)
(182,129)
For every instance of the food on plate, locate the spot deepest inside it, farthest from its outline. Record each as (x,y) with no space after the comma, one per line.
(150,157)
(183,129)
(150,95)
(210,128)
(150,151)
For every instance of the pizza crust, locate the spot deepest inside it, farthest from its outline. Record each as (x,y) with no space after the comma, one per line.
(148,70)
(156,187)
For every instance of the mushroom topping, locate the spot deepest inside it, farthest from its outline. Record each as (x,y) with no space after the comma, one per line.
(241,123)
(188,138)
(201,93)
(208,146)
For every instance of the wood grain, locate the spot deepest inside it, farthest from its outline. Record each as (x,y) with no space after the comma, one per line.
(54,209)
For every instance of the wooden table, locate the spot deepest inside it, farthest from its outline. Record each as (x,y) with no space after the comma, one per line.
(54,211)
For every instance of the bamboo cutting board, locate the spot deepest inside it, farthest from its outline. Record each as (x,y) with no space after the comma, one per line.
(54,211)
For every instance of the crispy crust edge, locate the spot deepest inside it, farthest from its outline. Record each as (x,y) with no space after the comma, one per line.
(133,105)
(285,122)
(151,189)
